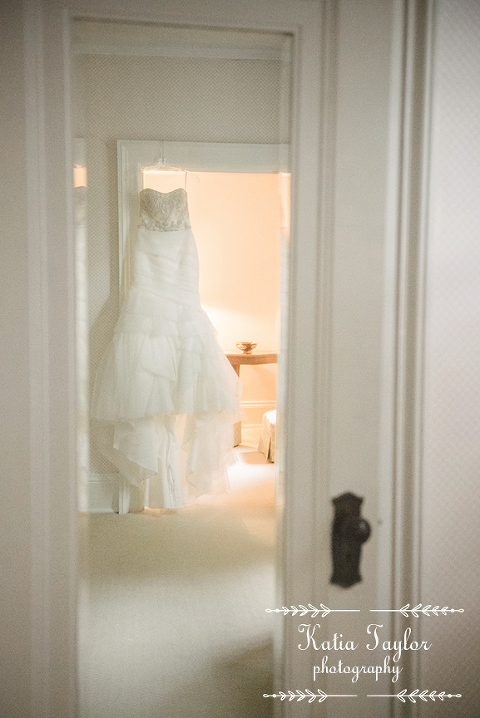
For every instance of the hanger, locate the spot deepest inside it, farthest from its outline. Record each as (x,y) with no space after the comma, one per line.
(161,168)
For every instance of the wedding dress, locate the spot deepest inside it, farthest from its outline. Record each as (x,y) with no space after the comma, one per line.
(164,373)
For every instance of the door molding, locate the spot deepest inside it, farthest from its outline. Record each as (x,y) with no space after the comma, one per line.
(408,222)
(53,478)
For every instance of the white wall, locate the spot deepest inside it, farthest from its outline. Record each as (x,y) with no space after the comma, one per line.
(451,465)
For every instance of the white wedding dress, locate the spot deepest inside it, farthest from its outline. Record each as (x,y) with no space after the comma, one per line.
(165,395)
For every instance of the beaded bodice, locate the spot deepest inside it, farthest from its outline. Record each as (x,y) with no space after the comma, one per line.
(164,211)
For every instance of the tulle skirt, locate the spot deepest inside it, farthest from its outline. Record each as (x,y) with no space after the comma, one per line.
(165,400)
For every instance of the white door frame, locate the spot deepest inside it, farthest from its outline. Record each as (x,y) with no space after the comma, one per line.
(408,222)
(51,259)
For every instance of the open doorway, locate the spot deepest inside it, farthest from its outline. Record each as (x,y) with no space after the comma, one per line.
(172,604)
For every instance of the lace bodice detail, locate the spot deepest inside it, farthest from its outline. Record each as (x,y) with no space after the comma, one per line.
(164,211)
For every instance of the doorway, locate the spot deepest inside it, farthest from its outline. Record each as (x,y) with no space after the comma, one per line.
(174,598)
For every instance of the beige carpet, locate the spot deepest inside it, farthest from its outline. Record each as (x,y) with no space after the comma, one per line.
(172,606)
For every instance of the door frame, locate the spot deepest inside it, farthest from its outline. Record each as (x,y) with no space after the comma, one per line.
(307,512)
(409,230)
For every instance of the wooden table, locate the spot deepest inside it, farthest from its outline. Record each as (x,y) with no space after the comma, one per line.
(236,359)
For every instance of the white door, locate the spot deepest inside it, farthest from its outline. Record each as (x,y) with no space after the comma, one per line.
(404,359)
(359,429)
(355,392)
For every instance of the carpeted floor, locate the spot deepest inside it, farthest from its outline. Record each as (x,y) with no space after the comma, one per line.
(172,607)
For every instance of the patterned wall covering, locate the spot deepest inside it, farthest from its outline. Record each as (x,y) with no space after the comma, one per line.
(157,98)
(451,500)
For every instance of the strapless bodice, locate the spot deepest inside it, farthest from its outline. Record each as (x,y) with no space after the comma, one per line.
(164,211)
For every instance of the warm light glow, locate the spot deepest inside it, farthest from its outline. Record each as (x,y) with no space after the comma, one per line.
(285,189)
(237,220)
(243,324)
(79,176)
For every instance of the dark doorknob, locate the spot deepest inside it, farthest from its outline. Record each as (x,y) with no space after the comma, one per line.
(349,531)
(357,529)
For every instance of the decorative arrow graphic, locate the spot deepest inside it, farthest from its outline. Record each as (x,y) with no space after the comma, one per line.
(418,610)
(309,695)
(424,695)
(303,610)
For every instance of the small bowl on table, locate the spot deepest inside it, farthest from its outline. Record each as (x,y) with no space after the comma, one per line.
(246,347)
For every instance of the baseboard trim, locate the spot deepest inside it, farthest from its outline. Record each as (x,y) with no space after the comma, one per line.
(102,493)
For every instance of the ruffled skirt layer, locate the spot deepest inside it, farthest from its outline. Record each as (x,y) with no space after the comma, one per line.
(165,400)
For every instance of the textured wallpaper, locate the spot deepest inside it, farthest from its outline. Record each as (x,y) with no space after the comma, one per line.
(451,500)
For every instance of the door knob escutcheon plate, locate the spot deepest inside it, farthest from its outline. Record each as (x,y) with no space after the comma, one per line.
(349,531)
